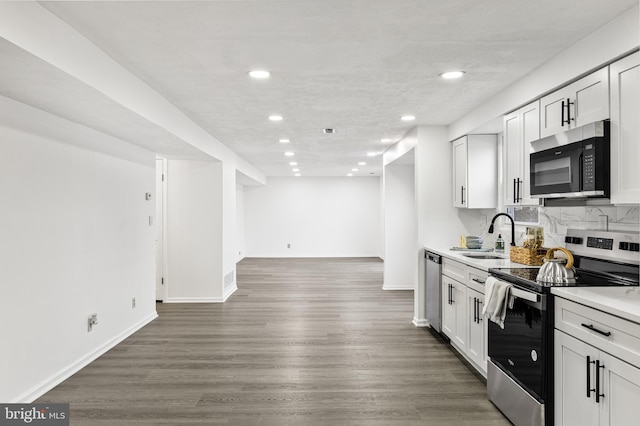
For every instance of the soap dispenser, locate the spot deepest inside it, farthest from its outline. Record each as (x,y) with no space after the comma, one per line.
(499,244)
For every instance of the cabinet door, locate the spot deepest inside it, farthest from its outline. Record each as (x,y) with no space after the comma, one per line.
(588,100)
(591,98)
(530,124)
(551,112)
(513,156)
(621,401)
(459,148)
(521,127)
(460,302)
(572,405)
(448,307)
(625,130)
(454,312)
(477,330)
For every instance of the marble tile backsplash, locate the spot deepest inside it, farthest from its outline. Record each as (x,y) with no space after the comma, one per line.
(556,221)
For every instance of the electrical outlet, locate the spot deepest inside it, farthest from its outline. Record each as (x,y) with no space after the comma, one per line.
(93,320)
(133,303)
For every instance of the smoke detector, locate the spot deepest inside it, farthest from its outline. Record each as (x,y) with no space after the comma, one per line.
(328,131)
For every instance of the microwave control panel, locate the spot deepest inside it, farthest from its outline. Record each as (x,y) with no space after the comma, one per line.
(588,165)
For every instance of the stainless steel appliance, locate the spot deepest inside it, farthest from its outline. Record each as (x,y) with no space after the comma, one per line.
(573,164)
(433,263)
(520,366)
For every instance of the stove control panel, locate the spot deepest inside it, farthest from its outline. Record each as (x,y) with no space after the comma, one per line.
(610,245)
(600,243)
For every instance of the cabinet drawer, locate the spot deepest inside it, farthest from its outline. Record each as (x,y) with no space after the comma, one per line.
(619,337)
(455,270)
(476,279)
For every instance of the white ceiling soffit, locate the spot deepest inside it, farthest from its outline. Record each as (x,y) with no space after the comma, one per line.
(34,82)
(355,66)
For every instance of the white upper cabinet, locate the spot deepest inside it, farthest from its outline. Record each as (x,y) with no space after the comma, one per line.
(625,130)
(581,102)
(521,127)
(475,171)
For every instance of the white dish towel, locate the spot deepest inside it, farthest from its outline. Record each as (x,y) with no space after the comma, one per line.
(497,297)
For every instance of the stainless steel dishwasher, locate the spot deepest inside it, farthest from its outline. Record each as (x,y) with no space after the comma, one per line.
(433,264)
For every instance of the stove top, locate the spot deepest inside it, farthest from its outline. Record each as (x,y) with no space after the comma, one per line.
(526,277)
(600,258)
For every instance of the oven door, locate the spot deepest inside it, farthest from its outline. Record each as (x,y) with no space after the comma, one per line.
(521,349)
(557,172)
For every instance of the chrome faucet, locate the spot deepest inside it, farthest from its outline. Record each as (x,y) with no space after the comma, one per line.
(513,227)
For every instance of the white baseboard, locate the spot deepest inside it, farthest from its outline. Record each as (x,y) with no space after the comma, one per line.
(53,381)
(420,322)
(194,300)
(229,293)
(392,287)
(203,299)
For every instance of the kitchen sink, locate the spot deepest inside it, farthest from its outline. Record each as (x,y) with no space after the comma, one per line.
(483,256)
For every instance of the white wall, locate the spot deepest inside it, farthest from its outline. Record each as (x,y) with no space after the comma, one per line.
(194,231)
(74,240)
(319,217)
(400,226)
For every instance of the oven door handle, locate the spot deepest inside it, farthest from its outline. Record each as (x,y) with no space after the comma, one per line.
(525,295)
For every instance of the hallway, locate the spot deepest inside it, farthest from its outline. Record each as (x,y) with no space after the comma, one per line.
(302,342)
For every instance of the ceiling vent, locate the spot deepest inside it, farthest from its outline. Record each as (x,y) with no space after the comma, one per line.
(328,131)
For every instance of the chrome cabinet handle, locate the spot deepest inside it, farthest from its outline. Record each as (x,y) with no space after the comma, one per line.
(477,280)
(592,328)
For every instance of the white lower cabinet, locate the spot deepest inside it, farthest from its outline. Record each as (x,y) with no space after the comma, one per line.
(462,302)
(477,329)
(581,372)
(454,312)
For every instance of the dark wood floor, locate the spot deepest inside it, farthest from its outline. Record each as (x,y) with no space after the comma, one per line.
(302,342)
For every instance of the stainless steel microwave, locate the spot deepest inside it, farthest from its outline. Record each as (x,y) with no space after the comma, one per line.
(572,164)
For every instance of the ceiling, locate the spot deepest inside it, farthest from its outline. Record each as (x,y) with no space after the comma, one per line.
(355,66)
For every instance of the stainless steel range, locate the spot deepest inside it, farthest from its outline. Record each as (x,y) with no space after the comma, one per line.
(520,369)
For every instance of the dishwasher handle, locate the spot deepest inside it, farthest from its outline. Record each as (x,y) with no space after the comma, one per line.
(432,257)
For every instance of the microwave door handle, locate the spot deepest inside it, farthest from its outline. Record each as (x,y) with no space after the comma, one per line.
(580,171)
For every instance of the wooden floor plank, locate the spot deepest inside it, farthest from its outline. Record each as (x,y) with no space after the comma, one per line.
(302,342)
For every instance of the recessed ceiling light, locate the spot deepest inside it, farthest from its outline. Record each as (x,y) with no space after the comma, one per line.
(260,74)
(408,117)
(386,140)
(452,75)
(293,163)
(349,174)
(371,154)
(284,141)
(289,154)
(362,163)
(295,170)
(276,118)
(354,170)
(297,174)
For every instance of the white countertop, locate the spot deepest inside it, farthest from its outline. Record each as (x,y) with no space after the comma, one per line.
(484,264)
(623,302)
